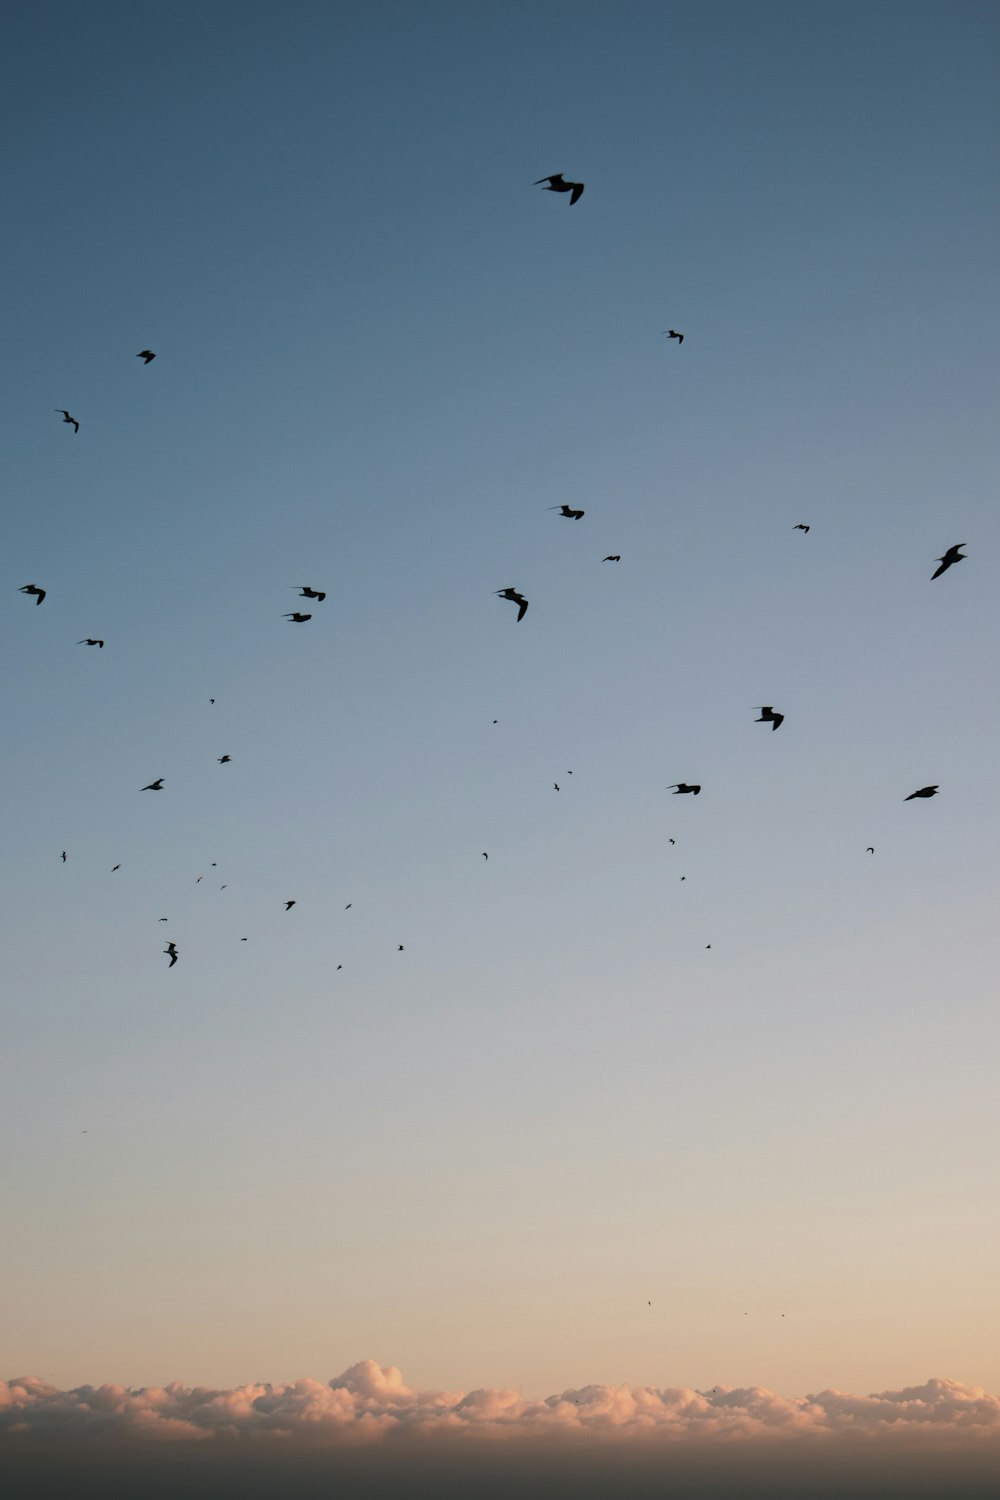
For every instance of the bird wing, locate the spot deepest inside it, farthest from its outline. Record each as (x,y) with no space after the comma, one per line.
(522,609)
(576,193)
(945,565)
(552,177)
(778,719)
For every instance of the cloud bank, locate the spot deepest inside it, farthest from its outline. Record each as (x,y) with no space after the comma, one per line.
(370,1405)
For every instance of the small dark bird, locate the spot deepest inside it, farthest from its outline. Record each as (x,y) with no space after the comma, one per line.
(89,641)
(307,593)
(199,880)
(146,354)
(672,335)
(154,786)
(925,791)
(485,855)
(951,556)
(224,760)
(76,426)
(114,868)
(64,856)
(681,787)
(349,905)
(400,948)
(515,598)
(684,877)
(871,849)
(671,841)
(340,966)
(565,510)
(171,948)
(768,716)
(708,945)
(556,183)
(800,527)
(296,618)
(556,785)
(242,940)
(289,905)
(612,557)
(162,919)
(32,588)
(211,700)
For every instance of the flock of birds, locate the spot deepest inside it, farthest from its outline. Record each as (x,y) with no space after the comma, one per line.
(555,183)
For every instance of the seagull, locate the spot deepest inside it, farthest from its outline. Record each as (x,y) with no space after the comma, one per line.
(146,354)
(671,841)
(154,786)
(289,905)
(951,556)
(199,880)
(400,948)
(871,847)
(485,855)
(171,948)
(224,760)
(515,598)
(799,526)
(296,618)
(768,716)
(32,588)
(243,940)
(556,785)
(681,787)
(672,335)
(556,183)
(307,593)
(114,868)
(349,905)
(162,919)
(64,856)
(89,641)
(565,510)
(925,791)
(211,700)
(612,557)
(76,426)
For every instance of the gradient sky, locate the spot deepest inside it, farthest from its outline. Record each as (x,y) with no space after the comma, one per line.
(381,355)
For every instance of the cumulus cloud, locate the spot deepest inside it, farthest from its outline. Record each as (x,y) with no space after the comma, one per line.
(370,1405)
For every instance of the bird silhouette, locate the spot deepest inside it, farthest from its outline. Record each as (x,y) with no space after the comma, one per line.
(63,856)
(671,841)
(768,716)
(147,355)
(163,919)
(67,418)
(679,787)
(400,948)
(154,786)
(556,183)
(555,785)
(612,557)
(349,905)
(289,905)
(671,334)
(89,641)
(224,760)
(515,598)
(171,948)
(32,588)
(925,791)
(307,593)
(871,847)
(568,512)
(951,556)
(296,618)
(114,868)
(485,855)
(799,526)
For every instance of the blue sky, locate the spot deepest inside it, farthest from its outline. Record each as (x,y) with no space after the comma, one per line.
(381,355)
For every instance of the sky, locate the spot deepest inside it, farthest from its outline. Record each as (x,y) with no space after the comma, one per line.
(558,1139)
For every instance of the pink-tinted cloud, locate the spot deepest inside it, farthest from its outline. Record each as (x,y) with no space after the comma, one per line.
(370,1405)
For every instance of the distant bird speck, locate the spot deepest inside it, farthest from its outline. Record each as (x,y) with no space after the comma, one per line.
(349,905)
(67,418)
(768,716)
(485,855)
(515,598)
(307,593)
(32,588)
(171,948)
(925,791)
(871,847)
(63,856)
(90,641)
(800,527)
(951,556)
(289,905)
(296,618)
(612,557)
(672,334)
(162,919)
(224,760)
(680,787)
(566,510)
(556,183)
(154,786)
(114,868)
(556,785)
(147,355)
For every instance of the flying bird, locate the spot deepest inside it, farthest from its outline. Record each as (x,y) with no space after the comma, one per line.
(485,855)
(296,618)
(400,948)
(681,787)
(871,847)
(289,905)
(76,426)
(671,334)
(224,760)
(32,588)
(799,526)
(612,557)
(171,948)
(162,919)
(349,905)
(671,841)
(114,868)
(64,856)
(768,716)
(951,556)
(556,785)
(154,786)
(146,354)
(90,641)
(515,598)
(556,183)
(925,791)
(565,510)
(307,593)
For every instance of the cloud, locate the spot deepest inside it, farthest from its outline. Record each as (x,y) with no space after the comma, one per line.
(370,1405)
